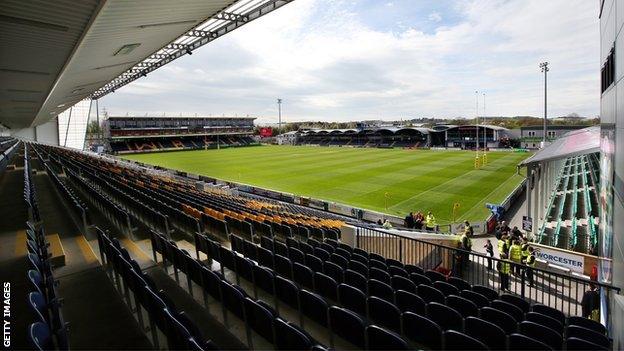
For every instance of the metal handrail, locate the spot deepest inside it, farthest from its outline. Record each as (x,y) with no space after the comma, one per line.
(561,291)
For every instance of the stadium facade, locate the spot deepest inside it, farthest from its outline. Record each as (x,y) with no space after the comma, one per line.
(447,136)
(148,134)
(612,154)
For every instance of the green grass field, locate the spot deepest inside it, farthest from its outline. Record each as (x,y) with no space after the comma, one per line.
(412,179)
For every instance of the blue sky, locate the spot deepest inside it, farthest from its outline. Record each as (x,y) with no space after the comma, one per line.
(369,59)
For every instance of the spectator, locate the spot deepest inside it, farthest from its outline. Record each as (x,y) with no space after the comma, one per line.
(418,220)
(466,243)
(530,263)
(503,272)
(515,255)
(387,224)
(409,221)
(490,252)
(516,233)
(591,303)
(501,228)
(503,247)
(379,222)
(430,222)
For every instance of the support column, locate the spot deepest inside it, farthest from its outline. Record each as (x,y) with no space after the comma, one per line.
(528,190)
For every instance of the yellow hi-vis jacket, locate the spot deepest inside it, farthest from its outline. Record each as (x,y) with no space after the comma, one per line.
(430,221)
(515,253)
(505,267)
(502,246)
(530,261)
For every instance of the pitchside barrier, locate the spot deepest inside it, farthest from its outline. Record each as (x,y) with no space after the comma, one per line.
(440,252)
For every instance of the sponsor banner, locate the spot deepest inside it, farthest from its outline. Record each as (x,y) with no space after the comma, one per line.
(575,263)
(341,209)
(266,132)
(192,176)
(321,205)
(527,223)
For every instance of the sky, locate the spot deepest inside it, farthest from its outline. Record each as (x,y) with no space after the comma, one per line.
(347,60)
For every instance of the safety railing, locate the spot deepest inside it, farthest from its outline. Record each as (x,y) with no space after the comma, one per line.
(559,290)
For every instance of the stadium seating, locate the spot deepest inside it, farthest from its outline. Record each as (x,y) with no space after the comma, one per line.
(312,282)
(141,143)
(572,206)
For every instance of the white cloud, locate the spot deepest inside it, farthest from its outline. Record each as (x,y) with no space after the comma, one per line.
(327,63)
(435,17)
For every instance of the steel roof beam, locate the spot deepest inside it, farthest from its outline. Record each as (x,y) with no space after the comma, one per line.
(202,37)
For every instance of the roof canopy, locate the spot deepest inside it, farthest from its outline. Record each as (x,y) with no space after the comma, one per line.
(578,142)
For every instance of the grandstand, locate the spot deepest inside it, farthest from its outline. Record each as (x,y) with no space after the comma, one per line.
(461,137)
(101,253)
(149,134)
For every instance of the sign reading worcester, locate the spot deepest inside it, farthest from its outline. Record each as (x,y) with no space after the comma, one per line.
(575,263)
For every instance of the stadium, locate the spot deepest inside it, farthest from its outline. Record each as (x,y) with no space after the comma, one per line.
(196,232)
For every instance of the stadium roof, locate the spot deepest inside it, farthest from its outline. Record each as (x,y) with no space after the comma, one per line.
(577,142)
(181,117)
(57,53)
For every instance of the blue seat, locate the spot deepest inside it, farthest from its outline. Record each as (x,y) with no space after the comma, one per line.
(359,258)
(358,267)
(38,304)
(491,294)
(384,313)
(265,257)
(339,260)
(260,319)
(343,252)
(279,248)
(576,344)
(356,279)
(382,339)
(313,306)
(488,333)
(444,316)
(244,267)
(430,294)
(517,301)
(314,263)
(422,330)
(37,281)
(476,298)
(398,271)
(500,318)
(264,278)
(381,290)
(375,263)
(233,298)
(306,248)
(410,268)
(519,342)
(459,283)
(379,274)
(403,283)
(541,333)
(334,271)
(544,320)
(394,263)
(446,288)
(327,247)
(352,298)
(326,286)
(289,337)
(464,306)
(287,292)
(550,312)
(574,331)
(283,266)
(266,243)
(410,302)
(322,254)
(227,258)
(419,279)
(347,325)
(435,276)
(40,337)
(454,340)
(587,323)
(296,255)
(250,250)
(508,308)
(303,275)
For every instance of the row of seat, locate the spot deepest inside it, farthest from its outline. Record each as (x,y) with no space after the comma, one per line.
(181,333)
(8,146)
(510,312)
(256,314)
(49,330)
